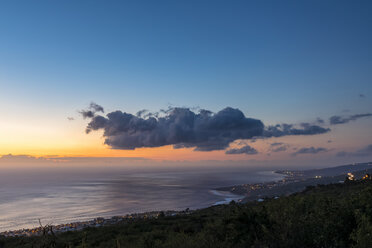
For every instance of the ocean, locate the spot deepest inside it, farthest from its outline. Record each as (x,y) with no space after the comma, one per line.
(64,196)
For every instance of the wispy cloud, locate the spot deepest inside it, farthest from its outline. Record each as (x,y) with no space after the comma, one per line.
(51,161)
(309,150)
(276,144)
(91,111)
(243,150)
(290,129)
(336,119)
(278,147)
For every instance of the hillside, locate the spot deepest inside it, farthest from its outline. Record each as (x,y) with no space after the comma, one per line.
(297,181)
(335,215)
(331,171)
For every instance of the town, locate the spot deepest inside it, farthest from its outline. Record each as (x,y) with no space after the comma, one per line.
(296,181)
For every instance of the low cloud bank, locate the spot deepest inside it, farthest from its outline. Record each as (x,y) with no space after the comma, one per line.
(29,161)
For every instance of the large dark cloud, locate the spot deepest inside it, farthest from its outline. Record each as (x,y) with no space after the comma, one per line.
(310,150)
(336,119)
(289,129)
(366,151)
(243,150)
(180,127)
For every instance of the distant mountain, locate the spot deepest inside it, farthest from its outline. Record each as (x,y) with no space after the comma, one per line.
(338,170)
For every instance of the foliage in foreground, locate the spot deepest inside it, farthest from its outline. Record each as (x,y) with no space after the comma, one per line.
(337,215)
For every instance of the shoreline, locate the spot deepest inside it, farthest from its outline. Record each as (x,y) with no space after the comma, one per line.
(296,180)
(228,196)
(225,197)
(239,193)
(97,222)
(289,183)
(102,221)
(244,190)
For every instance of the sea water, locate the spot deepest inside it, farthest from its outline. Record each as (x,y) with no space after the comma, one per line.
(65,196)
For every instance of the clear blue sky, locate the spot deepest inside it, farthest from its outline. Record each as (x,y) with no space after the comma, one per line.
(279,61)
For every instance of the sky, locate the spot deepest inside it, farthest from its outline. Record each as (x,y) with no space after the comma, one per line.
(252,64)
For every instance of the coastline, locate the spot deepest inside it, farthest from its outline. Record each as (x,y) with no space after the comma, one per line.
(293,181)
(97,222)
(228,197)
(196,198)
(290,182)
(100,221)
(246,190)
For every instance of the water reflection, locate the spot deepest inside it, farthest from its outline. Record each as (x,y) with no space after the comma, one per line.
(72,196)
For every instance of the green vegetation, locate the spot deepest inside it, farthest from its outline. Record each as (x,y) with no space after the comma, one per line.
(336,215)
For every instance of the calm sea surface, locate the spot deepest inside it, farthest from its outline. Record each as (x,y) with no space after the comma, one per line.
(58,196)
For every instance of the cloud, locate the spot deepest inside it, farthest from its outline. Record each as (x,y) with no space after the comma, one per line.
(278,147)
(96,108)
(141,113)
(87,113)
(91,111)
(366,151)
(276,144)
(320,121)
(14,157)
(289,129)
(243,150)
(184,128)
(53,161)
(70,118)
(310,150)
(336,119)
(181,127)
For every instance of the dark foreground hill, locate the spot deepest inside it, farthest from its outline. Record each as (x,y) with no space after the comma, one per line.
(336,215)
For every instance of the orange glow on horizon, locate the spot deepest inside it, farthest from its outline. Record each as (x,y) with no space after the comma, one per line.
(158,153)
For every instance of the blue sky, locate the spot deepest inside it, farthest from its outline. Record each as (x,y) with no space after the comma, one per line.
(279,61)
